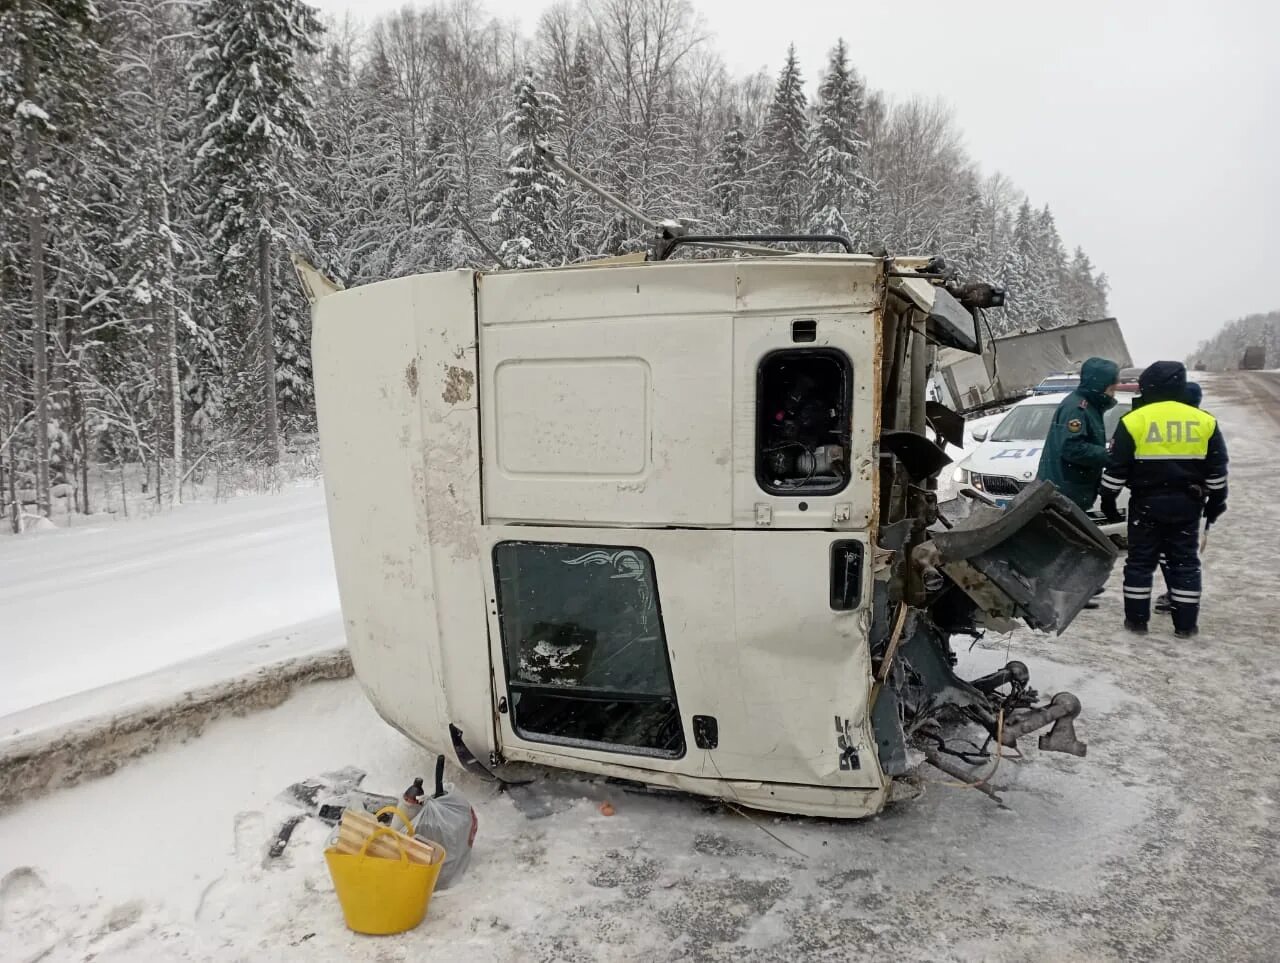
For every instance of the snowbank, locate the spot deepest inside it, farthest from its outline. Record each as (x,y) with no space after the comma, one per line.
(178,868)
(95,733)
(84,607)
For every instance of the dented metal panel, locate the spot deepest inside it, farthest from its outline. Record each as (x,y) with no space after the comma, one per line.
(396,403)
(569,419)
(776,677)
(1040,558)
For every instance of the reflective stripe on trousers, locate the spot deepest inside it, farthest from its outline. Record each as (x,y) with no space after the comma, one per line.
(1174,547)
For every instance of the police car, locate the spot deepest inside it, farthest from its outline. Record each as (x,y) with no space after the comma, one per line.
(1057,384)
(1008,455)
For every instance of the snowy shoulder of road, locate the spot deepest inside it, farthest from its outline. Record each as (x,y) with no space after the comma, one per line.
(85,607)
(179,868)
(1159,844)
(158,690)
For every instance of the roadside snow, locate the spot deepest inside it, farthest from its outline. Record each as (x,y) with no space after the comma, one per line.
(85,607)
(320,635)
(26,110)
(1159,845)
(176,867)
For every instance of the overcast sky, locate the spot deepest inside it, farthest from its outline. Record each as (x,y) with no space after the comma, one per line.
(1151,128)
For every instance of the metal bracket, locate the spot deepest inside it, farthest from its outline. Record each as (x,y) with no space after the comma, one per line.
(1061,712)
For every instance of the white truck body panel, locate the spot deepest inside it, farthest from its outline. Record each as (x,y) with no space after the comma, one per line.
(602,408)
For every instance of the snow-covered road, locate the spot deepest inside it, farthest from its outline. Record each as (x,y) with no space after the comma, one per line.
(88,606)
(1159,845)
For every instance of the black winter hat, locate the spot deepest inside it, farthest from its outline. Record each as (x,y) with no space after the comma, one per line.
(1163,381)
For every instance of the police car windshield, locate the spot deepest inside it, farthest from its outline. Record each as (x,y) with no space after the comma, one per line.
(1031,422)
(1025,423)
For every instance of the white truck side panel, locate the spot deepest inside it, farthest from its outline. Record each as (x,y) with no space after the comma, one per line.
(626,422)
(626,395)
(603,433)
(395,396)
(752,641)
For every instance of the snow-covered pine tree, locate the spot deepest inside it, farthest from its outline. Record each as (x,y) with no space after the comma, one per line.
(1034,264)
(784,187)
(839,192)
(528,209)
(83,242)
(12,345)
(331,195)
(1053,261)
(14,350)
(1081,291)
(731,177)
(581,214)
(254,112)
(151,58)
(52,50)
(1101,294)
(1018,274)
(565,63)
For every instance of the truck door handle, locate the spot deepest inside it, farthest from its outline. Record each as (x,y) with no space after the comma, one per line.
(846,575)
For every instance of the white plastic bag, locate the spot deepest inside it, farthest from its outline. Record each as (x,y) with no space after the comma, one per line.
(448,819)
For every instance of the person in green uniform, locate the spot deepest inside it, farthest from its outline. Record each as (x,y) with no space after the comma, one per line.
(1075,450)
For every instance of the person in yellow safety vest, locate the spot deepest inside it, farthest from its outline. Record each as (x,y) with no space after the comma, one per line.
(1173,458)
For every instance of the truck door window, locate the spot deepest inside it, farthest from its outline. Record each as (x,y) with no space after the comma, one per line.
(803,424)
(583,648)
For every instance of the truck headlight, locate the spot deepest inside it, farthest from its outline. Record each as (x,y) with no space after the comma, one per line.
(960,476)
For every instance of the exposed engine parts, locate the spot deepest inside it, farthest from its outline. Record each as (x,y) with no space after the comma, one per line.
(1061,713)
(803,423)
(984,571)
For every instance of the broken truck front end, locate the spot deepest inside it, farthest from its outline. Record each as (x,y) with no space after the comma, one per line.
(674,523)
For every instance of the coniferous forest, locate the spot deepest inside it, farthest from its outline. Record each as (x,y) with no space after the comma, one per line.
(159,162)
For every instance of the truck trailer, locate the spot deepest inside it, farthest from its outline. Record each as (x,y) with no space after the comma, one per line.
(1010,367)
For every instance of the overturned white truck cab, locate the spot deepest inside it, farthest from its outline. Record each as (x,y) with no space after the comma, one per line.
(674,521)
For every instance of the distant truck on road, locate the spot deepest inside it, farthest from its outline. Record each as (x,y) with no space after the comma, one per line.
(1255,358)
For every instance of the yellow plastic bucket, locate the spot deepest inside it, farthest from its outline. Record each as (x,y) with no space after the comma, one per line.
(378,895)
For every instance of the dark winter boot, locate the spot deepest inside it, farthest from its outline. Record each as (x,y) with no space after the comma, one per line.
(1163,605)
(1186,633)
(1137,628)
